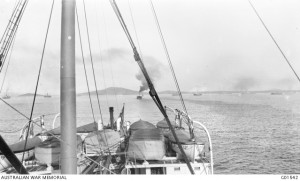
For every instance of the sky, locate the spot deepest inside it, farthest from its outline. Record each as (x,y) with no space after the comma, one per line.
(214,45)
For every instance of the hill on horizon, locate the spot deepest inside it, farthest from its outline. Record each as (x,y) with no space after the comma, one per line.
(29,94)
(125,91)
(112,91)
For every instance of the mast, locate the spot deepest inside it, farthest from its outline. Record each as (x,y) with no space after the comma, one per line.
(68,157)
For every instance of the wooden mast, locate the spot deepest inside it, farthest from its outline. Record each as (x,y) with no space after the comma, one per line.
(68,157)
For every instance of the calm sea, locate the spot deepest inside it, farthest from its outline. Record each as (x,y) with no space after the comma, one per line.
(251,133)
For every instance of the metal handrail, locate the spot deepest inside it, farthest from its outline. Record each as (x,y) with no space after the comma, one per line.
(210,146)
(54,120)
(35,120)
(189,121)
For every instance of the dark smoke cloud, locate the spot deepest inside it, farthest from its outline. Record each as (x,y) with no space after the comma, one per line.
(154,68)
(141,78)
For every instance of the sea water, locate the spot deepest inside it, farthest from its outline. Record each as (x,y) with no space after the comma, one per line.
(251,133)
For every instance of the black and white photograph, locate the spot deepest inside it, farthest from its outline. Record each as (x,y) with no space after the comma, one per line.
(149,87)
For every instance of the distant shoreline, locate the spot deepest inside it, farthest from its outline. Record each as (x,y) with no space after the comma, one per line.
(125,91)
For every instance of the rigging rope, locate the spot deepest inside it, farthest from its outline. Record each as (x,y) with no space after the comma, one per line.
(287,61)
(101,58)
(98,135)
(168,56)
(3,56)
(86,78)
(87,30)
(13,43)
(135,32)
(38,79)
(109,58)
(19,112)
(12,16)
(5,49)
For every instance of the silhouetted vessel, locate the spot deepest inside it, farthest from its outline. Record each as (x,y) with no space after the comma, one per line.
(6,97)
(47,96)
(276,93)
(197,94)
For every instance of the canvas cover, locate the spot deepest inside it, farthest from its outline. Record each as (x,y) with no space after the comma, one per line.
(164,125)
(147,144)
(19,146)
(81,129)
(183,137)
(102,140)
(141,125)
(48,151)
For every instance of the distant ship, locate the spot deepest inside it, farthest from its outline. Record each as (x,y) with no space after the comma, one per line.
(197,94)
(140,96)
(6,97)
(276,93)
(47,96)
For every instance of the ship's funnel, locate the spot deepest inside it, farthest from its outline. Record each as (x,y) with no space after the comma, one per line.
(111,112)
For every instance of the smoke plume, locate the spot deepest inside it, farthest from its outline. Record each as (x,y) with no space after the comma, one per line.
(154,70)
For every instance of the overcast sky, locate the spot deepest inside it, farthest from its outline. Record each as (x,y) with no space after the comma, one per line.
(213,45)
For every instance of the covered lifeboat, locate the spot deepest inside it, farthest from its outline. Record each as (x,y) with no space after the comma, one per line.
(48,151)
(192,148)
(146,142)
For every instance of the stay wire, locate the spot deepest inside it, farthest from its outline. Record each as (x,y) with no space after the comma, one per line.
(13,43)
(86,78)
(19,112)
(10,22)
(14,29)
(134,27)
(87,30)
(168,56)
(109,58)
(101,57)
(38,79)
(287,61)
(135,32)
